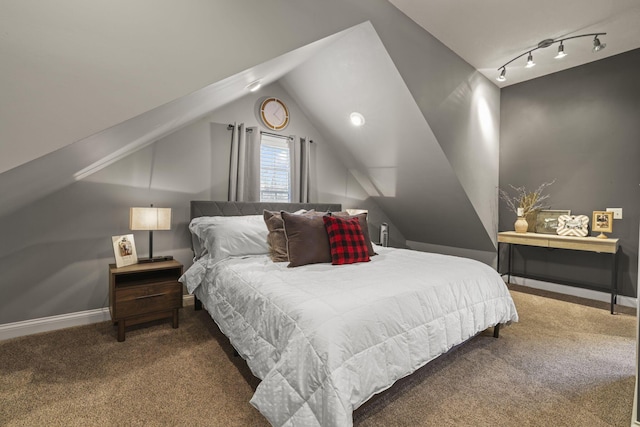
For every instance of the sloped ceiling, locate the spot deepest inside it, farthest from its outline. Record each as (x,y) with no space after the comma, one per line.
(73,68)
(52,171)
(487,34)
(418,171)
(395,156)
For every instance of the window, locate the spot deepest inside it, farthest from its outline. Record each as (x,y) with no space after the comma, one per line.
(275,167)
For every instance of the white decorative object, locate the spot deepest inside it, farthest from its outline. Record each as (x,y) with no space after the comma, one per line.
(573,225)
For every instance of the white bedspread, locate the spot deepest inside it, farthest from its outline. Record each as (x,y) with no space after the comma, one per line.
(325,338)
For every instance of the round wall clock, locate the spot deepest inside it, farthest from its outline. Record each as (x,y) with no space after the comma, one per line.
(274,114)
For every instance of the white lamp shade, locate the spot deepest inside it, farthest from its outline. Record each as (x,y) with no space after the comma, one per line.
(150,219)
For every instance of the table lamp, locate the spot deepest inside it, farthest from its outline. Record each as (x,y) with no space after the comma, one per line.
(150,219)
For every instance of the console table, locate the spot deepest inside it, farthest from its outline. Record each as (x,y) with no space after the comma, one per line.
(589,244)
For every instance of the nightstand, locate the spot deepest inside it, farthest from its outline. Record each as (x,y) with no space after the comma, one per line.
(140,293)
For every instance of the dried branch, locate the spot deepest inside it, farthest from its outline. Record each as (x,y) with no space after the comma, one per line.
(528,202)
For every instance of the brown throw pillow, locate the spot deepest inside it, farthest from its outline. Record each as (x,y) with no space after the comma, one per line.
(276,238)
(307,239)
(363,224)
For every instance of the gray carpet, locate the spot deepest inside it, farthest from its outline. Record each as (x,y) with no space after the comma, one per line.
(563,364)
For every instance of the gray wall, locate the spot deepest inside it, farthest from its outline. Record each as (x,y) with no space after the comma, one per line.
(55,247)
(91,75)
(580,127)
(330,180)
(55,252)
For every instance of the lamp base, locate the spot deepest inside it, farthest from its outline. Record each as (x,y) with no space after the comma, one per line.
(155,259)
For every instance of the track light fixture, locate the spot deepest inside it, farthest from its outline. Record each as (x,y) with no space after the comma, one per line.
(530,62)
(561,53)
(502,77)
(597,46)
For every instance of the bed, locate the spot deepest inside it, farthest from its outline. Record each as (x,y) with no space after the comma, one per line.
(325,338)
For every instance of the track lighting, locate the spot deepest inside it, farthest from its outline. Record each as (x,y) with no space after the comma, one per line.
(597,46)
(530,62)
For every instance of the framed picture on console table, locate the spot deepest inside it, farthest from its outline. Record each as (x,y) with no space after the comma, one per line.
(547,220)
(602,221)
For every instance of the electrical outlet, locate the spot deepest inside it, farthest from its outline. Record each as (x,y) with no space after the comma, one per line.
(617,212)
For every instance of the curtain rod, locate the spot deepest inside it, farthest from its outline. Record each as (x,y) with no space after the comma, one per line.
(275,135)
(229,127)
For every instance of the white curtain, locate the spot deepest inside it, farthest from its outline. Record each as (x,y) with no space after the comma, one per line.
(244,169)
(300,149)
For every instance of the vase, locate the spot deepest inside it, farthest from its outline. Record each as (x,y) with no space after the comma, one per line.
(521,225)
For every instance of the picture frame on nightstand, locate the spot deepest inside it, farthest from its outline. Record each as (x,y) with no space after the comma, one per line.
(124,249)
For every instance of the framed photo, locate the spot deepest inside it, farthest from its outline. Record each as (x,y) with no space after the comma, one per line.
(547,220)
(124,249)
(602,221)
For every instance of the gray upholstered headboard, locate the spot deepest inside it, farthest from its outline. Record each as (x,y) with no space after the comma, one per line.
(209,208)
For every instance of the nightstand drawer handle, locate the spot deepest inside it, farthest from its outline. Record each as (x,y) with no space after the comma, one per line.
(151,296)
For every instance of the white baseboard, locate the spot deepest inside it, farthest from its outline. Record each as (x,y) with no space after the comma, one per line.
(574,291)
(52,323)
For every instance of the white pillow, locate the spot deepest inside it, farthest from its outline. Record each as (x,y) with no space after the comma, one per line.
(225,236)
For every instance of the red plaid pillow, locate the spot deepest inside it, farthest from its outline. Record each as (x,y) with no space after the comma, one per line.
(346,240)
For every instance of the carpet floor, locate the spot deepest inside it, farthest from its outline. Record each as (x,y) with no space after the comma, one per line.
(564,364)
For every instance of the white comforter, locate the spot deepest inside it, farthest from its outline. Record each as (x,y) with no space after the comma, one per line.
(325,338)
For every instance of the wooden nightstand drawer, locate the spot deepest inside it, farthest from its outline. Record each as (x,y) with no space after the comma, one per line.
(143,292)
(137,300)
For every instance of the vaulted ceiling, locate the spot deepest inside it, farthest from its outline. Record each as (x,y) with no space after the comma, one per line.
(431,118)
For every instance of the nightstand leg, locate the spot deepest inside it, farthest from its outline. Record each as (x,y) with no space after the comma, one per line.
(120,330)
(175,318)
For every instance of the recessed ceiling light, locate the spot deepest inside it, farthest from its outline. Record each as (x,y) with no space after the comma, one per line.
(357,119)
(254,86)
